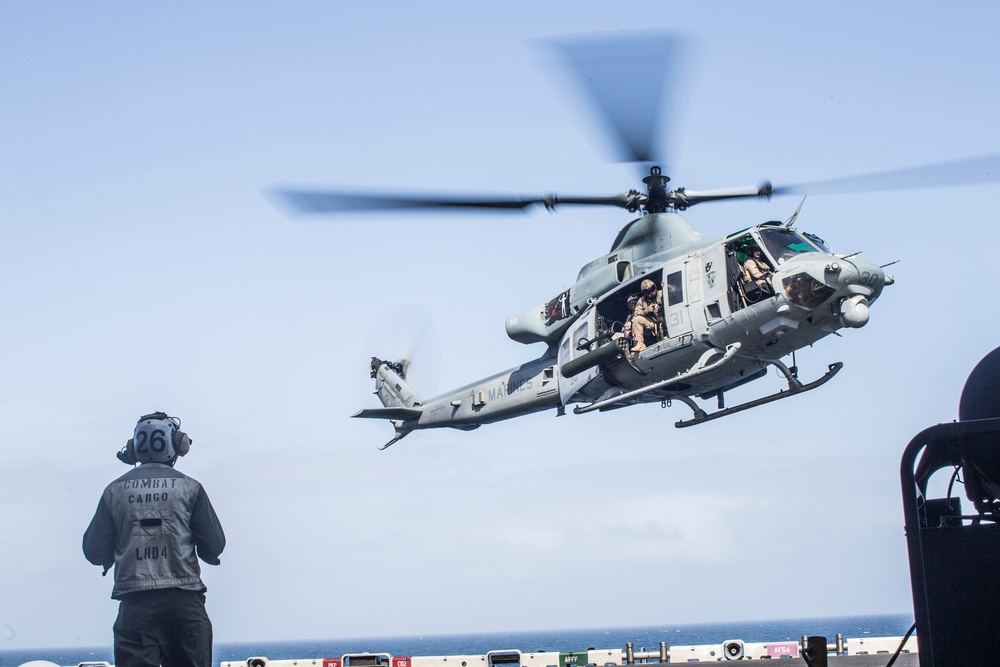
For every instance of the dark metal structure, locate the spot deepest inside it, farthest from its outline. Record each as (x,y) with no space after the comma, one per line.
(954,553)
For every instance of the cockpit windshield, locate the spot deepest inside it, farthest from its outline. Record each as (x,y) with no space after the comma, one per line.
(783,243)
(818,242)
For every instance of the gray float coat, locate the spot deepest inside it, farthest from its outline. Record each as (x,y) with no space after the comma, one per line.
(153,523)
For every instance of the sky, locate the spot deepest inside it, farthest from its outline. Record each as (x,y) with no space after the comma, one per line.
(143,270)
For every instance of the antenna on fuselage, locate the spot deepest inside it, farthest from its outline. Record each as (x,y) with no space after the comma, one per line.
(791,220)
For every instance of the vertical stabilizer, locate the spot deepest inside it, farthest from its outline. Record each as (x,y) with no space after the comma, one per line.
(391,387)
(403,406)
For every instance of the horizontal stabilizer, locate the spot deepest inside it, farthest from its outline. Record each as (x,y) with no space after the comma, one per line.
(394,414)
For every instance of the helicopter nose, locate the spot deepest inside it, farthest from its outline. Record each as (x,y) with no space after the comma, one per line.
(859,276)
(848,285)
(861,282)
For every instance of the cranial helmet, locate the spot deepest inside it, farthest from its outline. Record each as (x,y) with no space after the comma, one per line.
(157,439)
(647,285)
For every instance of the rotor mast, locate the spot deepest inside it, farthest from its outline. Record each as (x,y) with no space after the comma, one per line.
(657,200)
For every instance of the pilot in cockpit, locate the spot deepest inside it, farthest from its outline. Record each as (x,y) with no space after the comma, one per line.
(757,270)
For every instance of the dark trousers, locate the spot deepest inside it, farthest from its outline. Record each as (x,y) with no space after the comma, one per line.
(167,627)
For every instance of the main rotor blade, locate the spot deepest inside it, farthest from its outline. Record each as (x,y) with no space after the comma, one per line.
(692,197)
(984,169)
(306,202)
(627,75)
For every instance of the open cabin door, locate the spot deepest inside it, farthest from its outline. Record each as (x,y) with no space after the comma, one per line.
(576,337)
(681,284)
(714,289)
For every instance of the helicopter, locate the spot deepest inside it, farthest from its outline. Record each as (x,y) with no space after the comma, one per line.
(718,312)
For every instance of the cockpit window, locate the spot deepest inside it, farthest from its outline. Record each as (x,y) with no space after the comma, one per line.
(783,243)
(805,291)
(818,242)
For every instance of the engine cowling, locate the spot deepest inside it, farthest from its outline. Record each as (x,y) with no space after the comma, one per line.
(548,321)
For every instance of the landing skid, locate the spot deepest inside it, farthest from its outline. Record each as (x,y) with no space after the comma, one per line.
(794,387)
(709,361)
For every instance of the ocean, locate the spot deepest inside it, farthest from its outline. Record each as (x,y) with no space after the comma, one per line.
(642,638)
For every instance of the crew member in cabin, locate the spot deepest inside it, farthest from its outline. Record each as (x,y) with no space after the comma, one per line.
(648,314)
(627,328)
(757,270)
(153,524)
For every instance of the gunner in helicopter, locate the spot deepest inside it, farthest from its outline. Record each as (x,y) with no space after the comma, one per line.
(647,314)
(627,327)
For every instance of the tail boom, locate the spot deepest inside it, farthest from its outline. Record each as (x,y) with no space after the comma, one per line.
(528,388)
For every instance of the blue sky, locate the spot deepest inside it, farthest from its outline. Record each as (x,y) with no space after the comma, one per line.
(143,270)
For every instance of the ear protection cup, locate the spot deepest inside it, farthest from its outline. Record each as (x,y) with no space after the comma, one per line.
(127,453)
(182,443)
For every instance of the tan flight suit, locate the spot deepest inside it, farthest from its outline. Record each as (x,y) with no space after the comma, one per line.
(648,314)
(758,270)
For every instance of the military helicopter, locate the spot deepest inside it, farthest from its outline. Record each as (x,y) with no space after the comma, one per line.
(711,325)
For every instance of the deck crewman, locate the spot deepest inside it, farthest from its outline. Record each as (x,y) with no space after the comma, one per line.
(153,524)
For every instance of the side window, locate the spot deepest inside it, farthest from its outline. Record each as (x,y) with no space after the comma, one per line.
(580,334)
(675,289)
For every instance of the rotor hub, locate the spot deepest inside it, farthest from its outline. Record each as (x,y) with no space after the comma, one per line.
(658,199)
